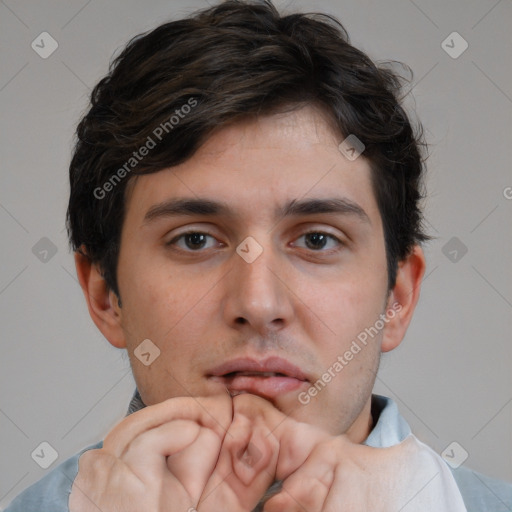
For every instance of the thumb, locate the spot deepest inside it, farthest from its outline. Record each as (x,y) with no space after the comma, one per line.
(246,466)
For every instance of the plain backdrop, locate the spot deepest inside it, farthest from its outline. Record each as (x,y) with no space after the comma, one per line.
(62,383)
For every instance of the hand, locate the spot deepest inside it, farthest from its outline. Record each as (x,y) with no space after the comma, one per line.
(210,454)
(157,459)
(248,458)
(261,444)
(321,472)
(185,454)
(339,475)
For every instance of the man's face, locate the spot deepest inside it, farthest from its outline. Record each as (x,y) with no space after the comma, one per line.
(272,323)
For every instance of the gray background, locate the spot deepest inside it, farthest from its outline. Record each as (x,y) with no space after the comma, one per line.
(63,383)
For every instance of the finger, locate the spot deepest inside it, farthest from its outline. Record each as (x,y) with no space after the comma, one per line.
(253,407)
(352,490)
(181,449)
(249,451)
(214,413)
(297,442)
(245,468)
(296,439)
(309,486)
(195,464)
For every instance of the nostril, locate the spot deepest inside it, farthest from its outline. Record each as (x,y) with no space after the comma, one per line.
(241,321)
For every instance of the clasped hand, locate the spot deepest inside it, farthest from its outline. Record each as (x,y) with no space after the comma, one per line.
(222,454)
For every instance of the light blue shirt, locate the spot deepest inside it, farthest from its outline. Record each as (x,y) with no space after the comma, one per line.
(480,493)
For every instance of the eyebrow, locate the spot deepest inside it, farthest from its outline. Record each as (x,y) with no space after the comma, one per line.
(313,206)
(295,207)
(186,206)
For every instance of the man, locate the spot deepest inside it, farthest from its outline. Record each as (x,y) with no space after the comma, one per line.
(244,214)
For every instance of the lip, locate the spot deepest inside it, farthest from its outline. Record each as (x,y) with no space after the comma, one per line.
(232,375)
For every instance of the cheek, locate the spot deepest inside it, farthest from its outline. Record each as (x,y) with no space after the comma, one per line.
(150,308)
(346,307)
(172,310)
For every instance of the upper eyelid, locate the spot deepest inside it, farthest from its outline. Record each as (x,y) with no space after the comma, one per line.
(191,232)
(188,230)
(338,236)
(330,235)
(320,232)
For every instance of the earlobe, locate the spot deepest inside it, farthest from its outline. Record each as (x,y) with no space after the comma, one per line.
(101,301)
(403,298)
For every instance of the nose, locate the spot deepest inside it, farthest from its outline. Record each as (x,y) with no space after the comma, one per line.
(257,297)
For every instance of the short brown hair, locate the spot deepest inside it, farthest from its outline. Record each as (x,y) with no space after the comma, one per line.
(231,61)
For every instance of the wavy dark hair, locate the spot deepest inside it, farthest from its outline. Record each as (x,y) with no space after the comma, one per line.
(234,60)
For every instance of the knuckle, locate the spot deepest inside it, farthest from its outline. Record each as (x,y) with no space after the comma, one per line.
(310,494)
(89,459)
(279,503)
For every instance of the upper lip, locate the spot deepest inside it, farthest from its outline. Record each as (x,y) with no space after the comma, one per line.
(270,364)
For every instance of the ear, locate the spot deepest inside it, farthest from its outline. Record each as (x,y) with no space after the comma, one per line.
(403,298)
(103,303)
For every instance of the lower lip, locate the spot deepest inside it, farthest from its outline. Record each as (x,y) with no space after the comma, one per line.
(268,387)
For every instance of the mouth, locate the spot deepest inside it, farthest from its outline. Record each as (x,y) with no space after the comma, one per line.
(270,378)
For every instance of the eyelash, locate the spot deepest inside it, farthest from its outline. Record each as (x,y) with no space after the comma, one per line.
(173,242)
(329,236)
(182,235)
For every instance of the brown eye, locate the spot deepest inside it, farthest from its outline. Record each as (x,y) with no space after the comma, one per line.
(316,241)
(193,241)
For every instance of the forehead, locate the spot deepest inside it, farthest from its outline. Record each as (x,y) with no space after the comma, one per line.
(258,162)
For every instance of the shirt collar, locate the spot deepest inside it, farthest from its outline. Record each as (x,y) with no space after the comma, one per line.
(136,403)
(390,426)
